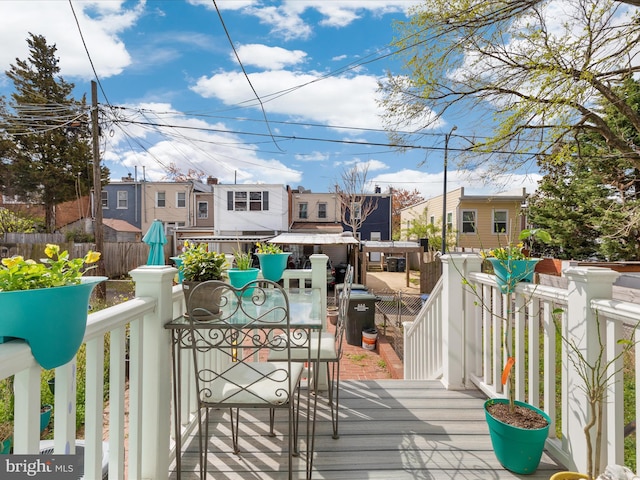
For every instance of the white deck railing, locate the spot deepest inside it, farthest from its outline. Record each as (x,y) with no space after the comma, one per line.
(141,445)
(472,325)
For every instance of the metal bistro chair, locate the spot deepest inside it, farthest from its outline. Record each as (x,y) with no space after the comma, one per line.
(248,323)
(330,350)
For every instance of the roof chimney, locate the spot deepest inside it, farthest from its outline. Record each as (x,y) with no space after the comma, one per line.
(212,181)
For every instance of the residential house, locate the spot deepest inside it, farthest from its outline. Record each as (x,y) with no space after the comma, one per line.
(123,201)
(478,221)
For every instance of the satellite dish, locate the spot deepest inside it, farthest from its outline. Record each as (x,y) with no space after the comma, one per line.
(301,189)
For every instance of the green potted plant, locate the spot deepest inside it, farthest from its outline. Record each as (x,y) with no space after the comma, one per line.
(273,260)
(243,272)
(511,263)
(199,264)
(46,303)
(517,429)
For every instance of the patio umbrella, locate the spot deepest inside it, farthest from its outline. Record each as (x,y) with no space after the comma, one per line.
(156,239)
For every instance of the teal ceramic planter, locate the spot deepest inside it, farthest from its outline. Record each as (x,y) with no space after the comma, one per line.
(239,278)
(273,264)
(45,416)
(510,272)
(51,320)
(178,262)
(5,447)
(517,449)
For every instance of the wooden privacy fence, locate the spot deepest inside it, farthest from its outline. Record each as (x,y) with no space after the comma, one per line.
(119,258)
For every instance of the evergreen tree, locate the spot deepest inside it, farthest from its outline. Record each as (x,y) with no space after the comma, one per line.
(52,161)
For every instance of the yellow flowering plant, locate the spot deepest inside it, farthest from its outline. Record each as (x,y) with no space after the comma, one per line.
(56,270)
(517,251)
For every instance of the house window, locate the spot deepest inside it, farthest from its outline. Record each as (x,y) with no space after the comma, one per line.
(161,199)
(432,220)
(302,211)
(468,221)
(449,221)
(355,210)
(181,200)
(322,210)
(243,201)
(105,199)
(499,221)
(123,199)
(203,210)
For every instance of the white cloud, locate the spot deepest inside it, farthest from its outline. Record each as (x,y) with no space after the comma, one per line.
(204,146)
(286,19)
(100,22)
(344,101)
(270,58)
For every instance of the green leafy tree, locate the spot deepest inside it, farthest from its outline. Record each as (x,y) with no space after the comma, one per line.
(13,222)
(589,196)
(52,160)
(421,227)
(568,203)
(526,73)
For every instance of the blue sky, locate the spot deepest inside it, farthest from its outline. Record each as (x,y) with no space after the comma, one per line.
(314,66)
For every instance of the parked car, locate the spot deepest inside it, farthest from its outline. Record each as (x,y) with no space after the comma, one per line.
(331,272)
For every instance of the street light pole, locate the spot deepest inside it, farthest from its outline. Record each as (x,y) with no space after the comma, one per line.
(444,191)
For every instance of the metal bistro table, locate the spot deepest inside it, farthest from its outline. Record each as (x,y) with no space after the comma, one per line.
(305,316)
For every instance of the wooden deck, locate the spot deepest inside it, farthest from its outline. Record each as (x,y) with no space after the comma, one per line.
(390,429)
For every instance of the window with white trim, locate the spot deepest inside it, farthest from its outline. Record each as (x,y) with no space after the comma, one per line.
(303,210)
(181,199)
(161,199)
(203,210)
(468,221)
(123,199)
(500,221)
(322,210)
(240,201)
(356,210)
(104,199)
(449,221)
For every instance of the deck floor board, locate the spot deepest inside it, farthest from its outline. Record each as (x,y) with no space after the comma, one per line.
(389,429)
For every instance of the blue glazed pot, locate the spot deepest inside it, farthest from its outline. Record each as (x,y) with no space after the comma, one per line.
(239,278)
(510,272)
(517,449)
(178,262)
(51,320)
(45,416)
(273,264)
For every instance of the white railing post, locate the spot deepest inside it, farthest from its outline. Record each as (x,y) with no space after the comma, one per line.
(319,280)
(585,284)
(454,269)
(155,281)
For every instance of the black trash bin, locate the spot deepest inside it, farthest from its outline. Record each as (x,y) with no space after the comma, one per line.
(402,264)
(360,316)
(341,270)
(392,264)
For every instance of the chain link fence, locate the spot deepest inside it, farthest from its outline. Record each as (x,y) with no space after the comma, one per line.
(392,309)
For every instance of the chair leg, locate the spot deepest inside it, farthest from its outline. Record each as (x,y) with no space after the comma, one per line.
(235,425)
(272,417)
(206,443)
(334,395)
(200,446)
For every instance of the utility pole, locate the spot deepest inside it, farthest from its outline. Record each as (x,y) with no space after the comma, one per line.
(444,192)
(98,230)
